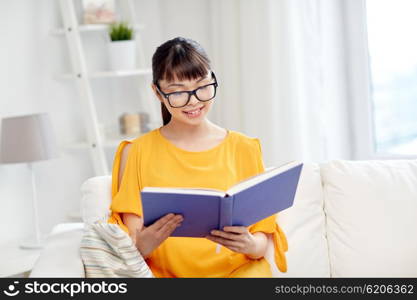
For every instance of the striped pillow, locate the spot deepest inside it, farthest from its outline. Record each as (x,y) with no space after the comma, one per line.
(107,251)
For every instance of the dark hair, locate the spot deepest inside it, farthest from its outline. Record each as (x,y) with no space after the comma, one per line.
(180,58)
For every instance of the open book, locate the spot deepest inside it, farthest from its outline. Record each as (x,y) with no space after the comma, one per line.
(244,204)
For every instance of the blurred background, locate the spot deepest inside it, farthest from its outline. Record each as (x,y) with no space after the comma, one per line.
(314,80)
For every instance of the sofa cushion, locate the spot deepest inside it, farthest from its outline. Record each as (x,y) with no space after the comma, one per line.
(371,209)
(303,223)
(61,255)
(95,199)
(304,227)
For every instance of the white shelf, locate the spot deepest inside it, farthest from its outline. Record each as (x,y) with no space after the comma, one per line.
(92,28)
(110,74)
(15,260)
(109,143)
(75,35)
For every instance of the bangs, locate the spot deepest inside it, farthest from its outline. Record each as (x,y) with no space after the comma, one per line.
(181,61)
(184,65)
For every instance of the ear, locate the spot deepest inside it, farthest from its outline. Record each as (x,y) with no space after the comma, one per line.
(158,96)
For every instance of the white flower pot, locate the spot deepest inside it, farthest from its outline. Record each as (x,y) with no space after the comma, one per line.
(122,55)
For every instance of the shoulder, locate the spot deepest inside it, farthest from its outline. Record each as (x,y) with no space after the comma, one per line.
(141,141)
(125,151)
(244,141)
(146,138)
(248,154)
(132,147)
(137,144)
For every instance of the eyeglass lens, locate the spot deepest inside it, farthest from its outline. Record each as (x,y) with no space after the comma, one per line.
(204,93)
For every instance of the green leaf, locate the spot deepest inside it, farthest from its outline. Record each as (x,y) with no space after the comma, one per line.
(120,31)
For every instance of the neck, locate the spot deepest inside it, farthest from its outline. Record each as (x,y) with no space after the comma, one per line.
(182,130)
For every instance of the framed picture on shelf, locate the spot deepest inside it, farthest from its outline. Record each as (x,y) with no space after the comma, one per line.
(98,11)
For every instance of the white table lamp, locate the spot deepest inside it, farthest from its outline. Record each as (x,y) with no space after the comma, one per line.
(27,139)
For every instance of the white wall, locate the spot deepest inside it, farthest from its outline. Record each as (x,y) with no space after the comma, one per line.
(29,58)
(281,66)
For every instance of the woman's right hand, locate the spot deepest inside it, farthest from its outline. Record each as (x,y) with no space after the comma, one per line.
(149,238)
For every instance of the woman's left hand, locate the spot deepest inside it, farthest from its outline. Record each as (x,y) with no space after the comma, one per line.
(235,238)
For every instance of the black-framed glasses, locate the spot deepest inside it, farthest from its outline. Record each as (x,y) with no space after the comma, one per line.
(181,98)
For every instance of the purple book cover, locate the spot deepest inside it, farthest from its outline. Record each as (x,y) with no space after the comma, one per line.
(255,199)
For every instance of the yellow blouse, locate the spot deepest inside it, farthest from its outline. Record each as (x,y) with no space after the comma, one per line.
(156,162)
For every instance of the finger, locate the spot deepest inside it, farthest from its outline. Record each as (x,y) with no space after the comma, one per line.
(168,230)
(226,235)
(227,245)
(159,223)
(169,227)
(234,249)
(235,229)
(223,241)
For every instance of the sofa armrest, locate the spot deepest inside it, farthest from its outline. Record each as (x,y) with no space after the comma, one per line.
(60,256)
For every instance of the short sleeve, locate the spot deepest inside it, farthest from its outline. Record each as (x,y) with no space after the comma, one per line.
(258,156)
(126,197)
(270,224)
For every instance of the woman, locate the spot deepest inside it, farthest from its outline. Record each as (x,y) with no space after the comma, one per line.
(190,151)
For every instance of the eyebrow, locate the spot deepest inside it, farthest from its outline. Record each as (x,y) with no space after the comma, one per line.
(179,84)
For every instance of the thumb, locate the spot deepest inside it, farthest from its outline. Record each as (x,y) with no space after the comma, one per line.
(139,230)
(141,226)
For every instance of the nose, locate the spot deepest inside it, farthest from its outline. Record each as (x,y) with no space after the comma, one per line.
(193,100)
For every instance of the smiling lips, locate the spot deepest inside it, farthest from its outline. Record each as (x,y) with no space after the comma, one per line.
(193,113)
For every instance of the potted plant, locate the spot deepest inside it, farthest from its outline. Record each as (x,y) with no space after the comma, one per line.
(122,47)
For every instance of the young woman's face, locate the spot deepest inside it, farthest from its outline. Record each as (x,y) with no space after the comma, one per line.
(195,111)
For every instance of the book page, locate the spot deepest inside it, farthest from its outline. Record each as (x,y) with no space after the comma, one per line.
(254,180)
(192,191)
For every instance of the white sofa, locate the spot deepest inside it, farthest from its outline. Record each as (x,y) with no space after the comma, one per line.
(349,219)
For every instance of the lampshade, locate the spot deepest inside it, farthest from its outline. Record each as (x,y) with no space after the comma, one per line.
(27,138)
